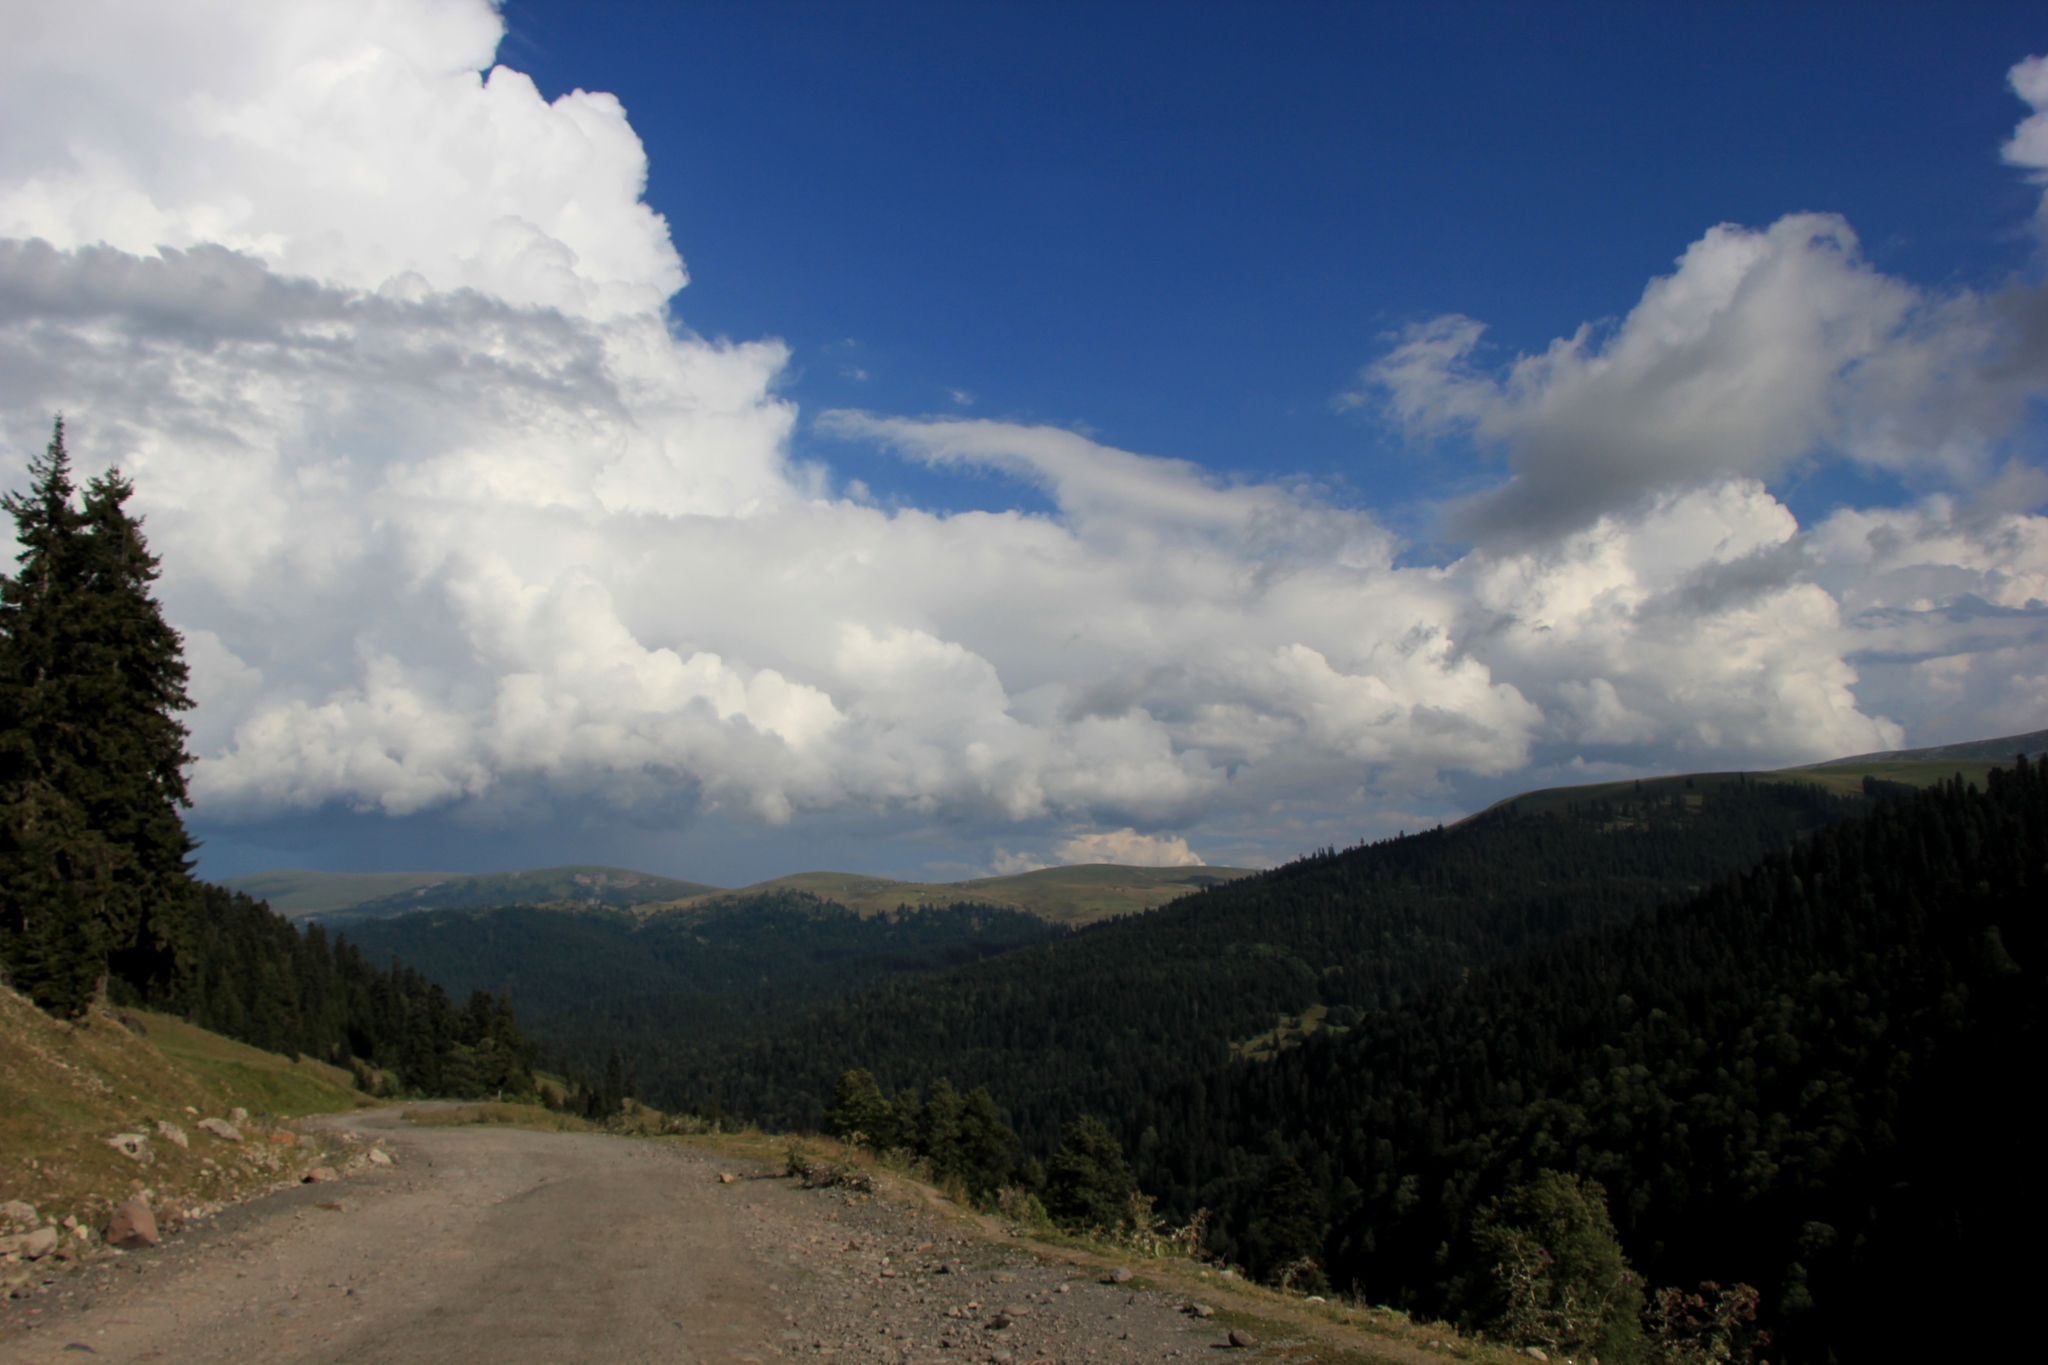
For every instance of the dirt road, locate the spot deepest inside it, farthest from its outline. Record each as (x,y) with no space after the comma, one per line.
(503,1245)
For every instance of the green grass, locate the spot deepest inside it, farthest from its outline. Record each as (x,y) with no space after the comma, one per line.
(531,1116)
(1848,777)
(65,1087)
(1291,1031)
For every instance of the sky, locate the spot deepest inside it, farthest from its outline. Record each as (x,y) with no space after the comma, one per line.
(944,440)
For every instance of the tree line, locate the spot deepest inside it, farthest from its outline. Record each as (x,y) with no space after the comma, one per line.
(1815,1077)
(97,897)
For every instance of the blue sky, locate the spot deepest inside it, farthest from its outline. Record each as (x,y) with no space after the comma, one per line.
(1187,226)
(1087,432)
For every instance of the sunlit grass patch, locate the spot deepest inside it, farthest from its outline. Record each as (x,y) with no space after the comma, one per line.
(492,1112)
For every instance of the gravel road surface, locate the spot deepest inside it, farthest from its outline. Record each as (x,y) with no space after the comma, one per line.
(503,1245)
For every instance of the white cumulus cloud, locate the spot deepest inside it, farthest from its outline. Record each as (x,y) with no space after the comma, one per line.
(457,515)
(1763,350)
(1128,847)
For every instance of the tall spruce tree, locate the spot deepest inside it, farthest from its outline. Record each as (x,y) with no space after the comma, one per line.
(93,853)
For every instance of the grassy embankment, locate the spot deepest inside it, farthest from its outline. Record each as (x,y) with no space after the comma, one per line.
(66,1087)
(1299,1328)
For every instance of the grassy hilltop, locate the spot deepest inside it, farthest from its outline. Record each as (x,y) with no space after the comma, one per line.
(340,897)
(1058,895)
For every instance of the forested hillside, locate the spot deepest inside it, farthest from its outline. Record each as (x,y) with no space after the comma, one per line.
(594,979)
(252,975)
(1815,1077)
(1812,1075)
(1088,1021)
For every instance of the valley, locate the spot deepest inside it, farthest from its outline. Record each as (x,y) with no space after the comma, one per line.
(1761,1021)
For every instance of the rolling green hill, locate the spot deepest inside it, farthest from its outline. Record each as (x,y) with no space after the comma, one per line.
(588,884)
(1906,767)
(2034,744)
(1059,895)
(296,892)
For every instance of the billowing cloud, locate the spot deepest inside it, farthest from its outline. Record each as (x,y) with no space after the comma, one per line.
(1128,847)
(2029,144)
(364,145)
(457,516)
(1762,350)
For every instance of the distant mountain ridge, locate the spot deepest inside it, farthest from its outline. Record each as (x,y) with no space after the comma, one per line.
(589,883)
(297,892)
(1970,760)
(1070,896)
(342,897)
(1058,895)
(2033,744)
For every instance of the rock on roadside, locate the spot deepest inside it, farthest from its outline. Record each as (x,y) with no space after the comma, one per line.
(134,1146)
(133,1225)
(31,1246)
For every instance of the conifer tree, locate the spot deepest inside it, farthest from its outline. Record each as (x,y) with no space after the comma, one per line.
(142,755)
(1087,1184)
(859,1113)
(610,1099)
(1287,1237)
(93,870)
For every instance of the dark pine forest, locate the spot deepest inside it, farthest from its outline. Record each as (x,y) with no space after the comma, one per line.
(1105,1020)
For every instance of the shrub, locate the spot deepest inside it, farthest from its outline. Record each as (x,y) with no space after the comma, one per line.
(1558,1279)
(859,1114)
(1022,1207)
(1715,1326)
